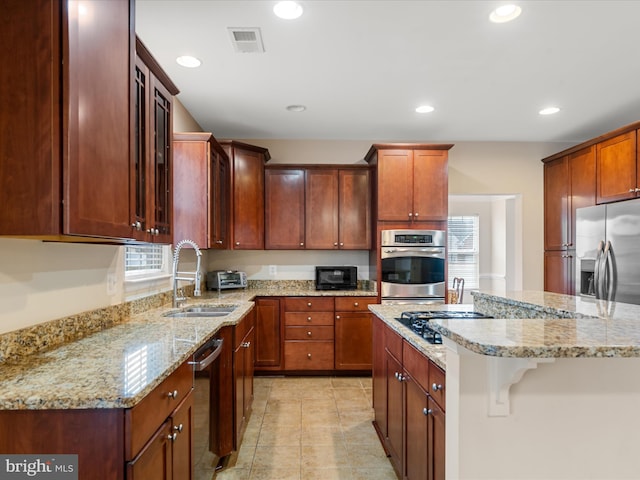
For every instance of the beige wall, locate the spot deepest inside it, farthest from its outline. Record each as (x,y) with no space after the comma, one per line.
(182,119)
(43,281)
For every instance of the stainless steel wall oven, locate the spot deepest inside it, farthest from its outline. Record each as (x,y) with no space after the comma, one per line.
(413,266)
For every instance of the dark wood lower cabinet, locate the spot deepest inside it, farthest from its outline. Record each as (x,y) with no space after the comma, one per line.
(268,339)
(407,416)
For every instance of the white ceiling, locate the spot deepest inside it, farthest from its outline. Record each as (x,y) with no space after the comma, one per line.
(361,67)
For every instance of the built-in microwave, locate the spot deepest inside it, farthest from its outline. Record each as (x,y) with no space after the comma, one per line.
(336,278)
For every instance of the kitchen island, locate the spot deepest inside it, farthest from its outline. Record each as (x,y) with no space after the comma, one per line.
(547,389)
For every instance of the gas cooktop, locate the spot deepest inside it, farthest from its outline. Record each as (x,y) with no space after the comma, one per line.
(418,321)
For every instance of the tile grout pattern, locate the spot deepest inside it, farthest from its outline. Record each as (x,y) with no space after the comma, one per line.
(307,428)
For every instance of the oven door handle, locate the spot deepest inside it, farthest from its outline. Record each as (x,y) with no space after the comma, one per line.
(415,251)
(216,344)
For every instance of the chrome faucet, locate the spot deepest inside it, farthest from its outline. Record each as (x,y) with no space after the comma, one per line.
(185,276)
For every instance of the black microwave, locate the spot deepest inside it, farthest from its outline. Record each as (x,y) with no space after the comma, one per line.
(336,278)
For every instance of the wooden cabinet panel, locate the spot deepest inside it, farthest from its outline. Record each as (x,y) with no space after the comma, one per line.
(247,173)
(268,333)
(355,209)
(436,441)
(155,460)
(395,185)
(321,210)
(557,189)
(430,185)
(308,355)
(379,378)
(417,433)
(243,370)
(200,183)
(437,386)
(395,413)
(221,395)
(309,304)
(559,272)
(415,363)
(182,446)
(310,318)
(309,333)
(617,168)
(65,119)
(354,304)
(353,346)
(284,209)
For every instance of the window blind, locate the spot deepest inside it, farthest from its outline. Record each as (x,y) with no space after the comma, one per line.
(464,250)
(143,259)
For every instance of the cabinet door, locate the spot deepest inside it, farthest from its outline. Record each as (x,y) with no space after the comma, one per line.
(268,333)
(559,275)
(430,185)
(436,441)
(284,209)
(353,341)
(417,433)
(395,185)
(582,168)
(355,210)
(616,168)
(248,200)
(96,154)
(395,409)
(556,204)
(321,209)
(182,443)
(191,206)
(243,380)
(219,232)
(379,377)
(155,460)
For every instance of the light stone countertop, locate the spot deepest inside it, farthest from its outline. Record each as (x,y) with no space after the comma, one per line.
(118,366)
(554,326)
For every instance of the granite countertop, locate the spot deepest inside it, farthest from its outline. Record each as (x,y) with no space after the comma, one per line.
(566,326)
(118,366)
(389,313)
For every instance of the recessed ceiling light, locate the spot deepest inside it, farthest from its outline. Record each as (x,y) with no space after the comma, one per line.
(188,61)
(505,13)
(425,109)
(549,111)
(296,108)
(288,10)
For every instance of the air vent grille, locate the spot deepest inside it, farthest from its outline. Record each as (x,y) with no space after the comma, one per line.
(246,40)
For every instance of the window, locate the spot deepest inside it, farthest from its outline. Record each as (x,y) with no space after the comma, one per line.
(146,261)
(464,251)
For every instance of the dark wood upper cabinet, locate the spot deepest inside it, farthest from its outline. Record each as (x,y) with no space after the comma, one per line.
(617,168)
(247,194)
(65,117)
(200,190)
(152,158)
(354,200)
(321,209)
(284,209)
(412,182)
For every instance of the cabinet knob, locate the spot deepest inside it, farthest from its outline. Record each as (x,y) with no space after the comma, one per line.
(178,428)
(219,242)
(237,243)
(415,214)
(246,344)
(410,215)
(302,244)
(308,304)
(427,411)
(309,334)
(436,386)
(355,304)
(337,317)
(637,189)
(309,356)
(341,244)
(308,319)
(633,190)
(137,226)
(172,437)
(335,244)
(173,394)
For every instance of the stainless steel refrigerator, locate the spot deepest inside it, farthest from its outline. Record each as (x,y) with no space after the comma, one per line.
(608,251)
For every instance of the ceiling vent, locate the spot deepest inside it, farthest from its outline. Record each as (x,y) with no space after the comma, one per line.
(246,40)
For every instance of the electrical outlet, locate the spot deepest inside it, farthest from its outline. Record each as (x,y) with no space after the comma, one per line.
(111,284)
(273,270)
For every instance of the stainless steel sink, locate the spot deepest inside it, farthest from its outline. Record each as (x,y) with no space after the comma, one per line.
(202,311)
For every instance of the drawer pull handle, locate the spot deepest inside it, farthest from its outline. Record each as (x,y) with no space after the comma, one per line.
(246,344)
(178,428)
(172,437)
(309,356)
(173,394)
(309,333)
(427,411)
(436,386)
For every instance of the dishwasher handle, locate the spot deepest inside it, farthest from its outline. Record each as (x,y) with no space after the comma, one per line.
(214,347)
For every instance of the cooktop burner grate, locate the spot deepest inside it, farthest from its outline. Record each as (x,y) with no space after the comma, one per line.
(418,321)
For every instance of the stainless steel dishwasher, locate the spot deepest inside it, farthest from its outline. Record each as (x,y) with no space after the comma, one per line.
(204,360)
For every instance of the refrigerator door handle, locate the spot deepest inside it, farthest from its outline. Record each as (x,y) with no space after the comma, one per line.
(610,274)
(597,277)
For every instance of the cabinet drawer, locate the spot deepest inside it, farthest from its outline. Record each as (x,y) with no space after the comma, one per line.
(306,319)
(143,420)
(308,355)
(309,333)
(393,342)
(308,304)
(416,365)
(354,304)
(243,326)
(437,378)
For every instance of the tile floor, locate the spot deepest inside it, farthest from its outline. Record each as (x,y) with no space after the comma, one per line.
(306,428)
